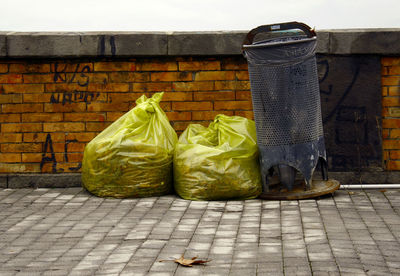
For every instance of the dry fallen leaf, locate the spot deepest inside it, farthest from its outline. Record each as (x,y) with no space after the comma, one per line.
(188,262)
(382,191)
(351,193)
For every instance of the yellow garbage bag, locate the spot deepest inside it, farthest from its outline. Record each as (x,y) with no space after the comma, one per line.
(133,156)
(219,162)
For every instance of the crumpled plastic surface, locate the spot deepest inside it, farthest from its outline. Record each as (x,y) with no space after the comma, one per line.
(219,162)
(133,156)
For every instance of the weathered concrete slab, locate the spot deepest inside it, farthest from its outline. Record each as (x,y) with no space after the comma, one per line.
(43,45)
(44,180)
(205,43)
(124,44)
(3,44)
(365,41)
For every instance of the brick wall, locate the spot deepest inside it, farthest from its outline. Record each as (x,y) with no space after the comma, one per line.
(391,112)
(50,109)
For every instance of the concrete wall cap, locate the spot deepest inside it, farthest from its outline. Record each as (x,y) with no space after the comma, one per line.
(382,41)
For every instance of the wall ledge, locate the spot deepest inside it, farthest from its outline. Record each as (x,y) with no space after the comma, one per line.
(63,180)
(136,44)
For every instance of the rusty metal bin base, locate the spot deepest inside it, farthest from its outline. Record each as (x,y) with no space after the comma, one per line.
(319,188)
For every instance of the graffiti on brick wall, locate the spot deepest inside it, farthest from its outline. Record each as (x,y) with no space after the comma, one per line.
(80,77)
(49,156)
(350,98)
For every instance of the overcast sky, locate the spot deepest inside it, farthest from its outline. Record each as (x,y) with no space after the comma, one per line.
(193,15)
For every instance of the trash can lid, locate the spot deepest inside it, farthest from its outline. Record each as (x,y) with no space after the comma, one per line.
(279,41)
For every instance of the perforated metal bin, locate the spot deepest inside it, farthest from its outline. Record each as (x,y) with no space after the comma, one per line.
(286,102)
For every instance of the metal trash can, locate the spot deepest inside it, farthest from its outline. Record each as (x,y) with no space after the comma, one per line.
(286,102)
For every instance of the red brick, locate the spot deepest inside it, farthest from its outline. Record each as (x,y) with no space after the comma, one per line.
(115,66)
(10,98)
(37,98)
(391,144)
(11,78)
(74,107)
(42,117)
(22,147)
(211,96)
(179,116)
(242,75)
(75,157)
(171,76)
(209,115)
(232,85)
(113,116)
(41,137)
(243,95)
(233,105)
(152,87)
(391,123)
(385,91)
(108,107)
(96,126)
(123,97)
(199,65)
(19,168)
(395,133)
(180,126)
(393,165)
(166,106)
(38,78)
(188,106)
(22,88)
(391,101)
(246,114)
(392,112)
(109,87)
(234,64)
(10,118)
(65,127)
(10,157)
(214,75)
(395,154)
(10,137)
(22,108)
(21,127)
(3,68)
(29,68)
(81,136)
(394,91)
(84,117)
(391,80)
(389,61)
(32,157)
(177,96)
(394,70)
(75,147)
(157,66)
(123,77)
(193,86)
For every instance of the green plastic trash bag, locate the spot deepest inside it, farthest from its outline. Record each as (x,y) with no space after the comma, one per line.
(219,162)
(133,156)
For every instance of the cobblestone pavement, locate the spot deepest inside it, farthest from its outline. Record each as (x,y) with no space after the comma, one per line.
(70,232)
